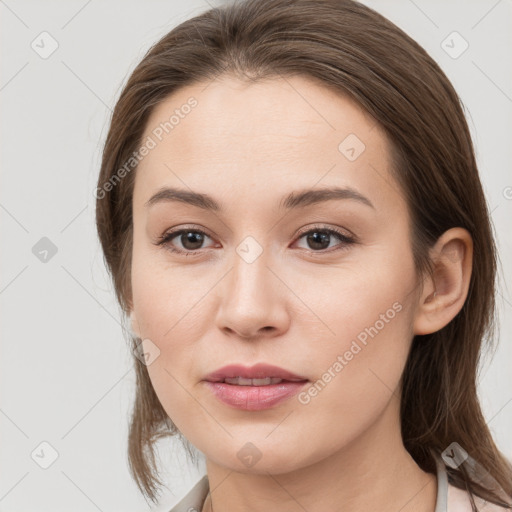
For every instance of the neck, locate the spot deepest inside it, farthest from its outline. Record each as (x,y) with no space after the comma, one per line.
(373,472)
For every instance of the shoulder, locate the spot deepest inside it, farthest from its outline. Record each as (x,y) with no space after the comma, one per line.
(458,501)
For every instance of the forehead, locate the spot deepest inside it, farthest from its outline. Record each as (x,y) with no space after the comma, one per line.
(258,137)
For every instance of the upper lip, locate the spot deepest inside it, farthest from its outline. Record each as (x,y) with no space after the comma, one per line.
(258,371)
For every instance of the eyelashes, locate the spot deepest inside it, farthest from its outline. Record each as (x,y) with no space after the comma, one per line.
(345,240)
(312,236)
(165,240)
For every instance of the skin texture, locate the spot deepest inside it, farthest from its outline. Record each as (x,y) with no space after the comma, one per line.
(298,305)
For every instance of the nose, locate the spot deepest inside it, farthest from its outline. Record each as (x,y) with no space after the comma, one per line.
(253,300)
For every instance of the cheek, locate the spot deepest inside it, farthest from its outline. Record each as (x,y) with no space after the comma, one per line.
(165,296)
(170,312)
(358,368)
(169,325)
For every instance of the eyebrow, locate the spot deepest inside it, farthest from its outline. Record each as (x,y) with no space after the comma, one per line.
(297,199)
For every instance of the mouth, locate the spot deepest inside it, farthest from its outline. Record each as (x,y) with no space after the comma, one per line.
(256,388)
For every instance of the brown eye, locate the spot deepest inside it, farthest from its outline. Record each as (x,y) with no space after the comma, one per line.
(191,240)
(319,239)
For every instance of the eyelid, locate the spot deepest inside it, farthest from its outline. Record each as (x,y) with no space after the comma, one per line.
(324,227)
(172,233)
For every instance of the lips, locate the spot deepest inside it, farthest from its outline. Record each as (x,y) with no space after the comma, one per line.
(256,375)
(254,388)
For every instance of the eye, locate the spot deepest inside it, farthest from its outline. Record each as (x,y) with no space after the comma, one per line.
(191,240)
(319,239)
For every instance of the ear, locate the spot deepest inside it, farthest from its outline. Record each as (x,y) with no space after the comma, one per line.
(444,295)
(134,324)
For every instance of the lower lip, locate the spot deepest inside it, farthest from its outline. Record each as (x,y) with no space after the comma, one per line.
(254,398)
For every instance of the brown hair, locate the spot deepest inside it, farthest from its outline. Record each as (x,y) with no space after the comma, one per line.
(354,50)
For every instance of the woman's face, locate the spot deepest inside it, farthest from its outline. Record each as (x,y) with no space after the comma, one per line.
(268,282)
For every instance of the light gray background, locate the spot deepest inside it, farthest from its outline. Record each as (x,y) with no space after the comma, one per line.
(65,368)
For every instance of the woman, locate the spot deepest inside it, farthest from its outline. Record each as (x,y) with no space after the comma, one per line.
(290,209)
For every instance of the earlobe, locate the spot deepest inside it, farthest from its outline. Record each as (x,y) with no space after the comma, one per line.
(444,293)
